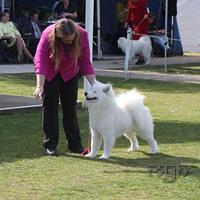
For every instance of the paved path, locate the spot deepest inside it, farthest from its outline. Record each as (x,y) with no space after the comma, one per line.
(117,62)
(16,68)
(12,103)
(112,66)
(150,76)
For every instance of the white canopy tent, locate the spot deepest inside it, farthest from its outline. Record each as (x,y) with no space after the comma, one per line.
(188,21)
(89,28)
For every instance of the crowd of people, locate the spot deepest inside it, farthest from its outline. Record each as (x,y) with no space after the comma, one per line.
(61,57)
(19,37)
(26,28)
(12,37)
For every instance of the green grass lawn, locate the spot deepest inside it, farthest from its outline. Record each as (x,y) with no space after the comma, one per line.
(26,174)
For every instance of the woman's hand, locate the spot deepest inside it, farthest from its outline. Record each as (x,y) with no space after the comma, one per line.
(39,86)
(125,25)
(91,78)
(146,16)
(38,92)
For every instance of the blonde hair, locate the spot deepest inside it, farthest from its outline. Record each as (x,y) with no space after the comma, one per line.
(63,28)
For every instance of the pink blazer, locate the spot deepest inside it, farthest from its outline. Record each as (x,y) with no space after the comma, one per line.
(69,66)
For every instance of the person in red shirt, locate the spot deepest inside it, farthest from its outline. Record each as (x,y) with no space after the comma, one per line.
(138,20)
(137,17)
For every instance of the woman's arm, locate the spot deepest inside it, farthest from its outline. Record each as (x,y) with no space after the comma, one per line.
(40,79)
(91,78)
(56,16)
(71,15)
(41,64)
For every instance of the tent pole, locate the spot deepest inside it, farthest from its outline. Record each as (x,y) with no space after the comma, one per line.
(172,30)
(166,25)
(13,8)
(99,53)
(89,16)
(127,53)
(2,5)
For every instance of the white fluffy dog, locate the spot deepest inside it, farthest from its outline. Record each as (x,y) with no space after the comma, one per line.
(140,47)
(111,117)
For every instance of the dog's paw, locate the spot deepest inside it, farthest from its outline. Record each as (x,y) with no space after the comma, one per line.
(104,157)
(147,63)
(132,149)
(89,155)
(154,151)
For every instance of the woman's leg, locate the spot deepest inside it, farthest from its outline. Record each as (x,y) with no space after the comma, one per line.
(50,113)
(21,47)
(27,53)
(69,91)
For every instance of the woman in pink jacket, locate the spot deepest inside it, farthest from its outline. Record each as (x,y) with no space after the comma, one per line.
(62,54)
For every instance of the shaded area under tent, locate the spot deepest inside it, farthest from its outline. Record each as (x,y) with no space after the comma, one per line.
(108,20)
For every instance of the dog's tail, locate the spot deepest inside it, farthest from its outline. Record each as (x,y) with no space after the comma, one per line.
(130,99)
(145,38)
(133,102)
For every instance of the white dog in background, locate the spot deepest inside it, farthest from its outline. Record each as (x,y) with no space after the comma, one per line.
(111,117)
(140,47)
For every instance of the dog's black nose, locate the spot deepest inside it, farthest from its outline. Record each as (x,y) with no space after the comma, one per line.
(85,93)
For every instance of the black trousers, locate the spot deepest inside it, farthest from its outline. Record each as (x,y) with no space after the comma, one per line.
(55,90)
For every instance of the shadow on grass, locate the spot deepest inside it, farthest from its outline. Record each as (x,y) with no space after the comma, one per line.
(21,138)
(177,132)
(166,166)
(169,133)
(24,140)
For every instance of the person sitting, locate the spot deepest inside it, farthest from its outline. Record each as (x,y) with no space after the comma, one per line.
(9,31)
(22,22)
(158,38)
(35,30)
(55,4)
(65,9)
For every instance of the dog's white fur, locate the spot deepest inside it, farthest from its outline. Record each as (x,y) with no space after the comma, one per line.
(140,47)
(111,117)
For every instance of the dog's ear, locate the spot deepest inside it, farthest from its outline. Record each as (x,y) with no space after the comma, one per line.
(107,88)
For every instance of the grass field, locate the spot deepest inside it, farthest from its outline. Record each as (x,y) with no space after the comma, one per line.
(26,174)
